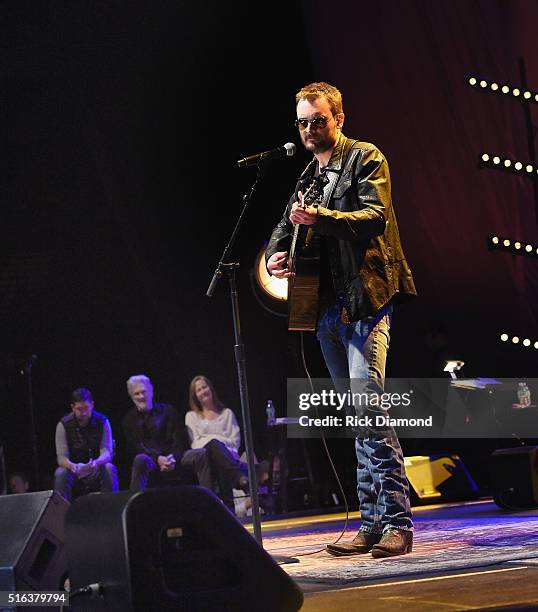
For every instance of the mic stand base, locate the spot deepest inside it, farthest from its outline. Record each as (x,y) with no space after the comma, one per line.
(284,560)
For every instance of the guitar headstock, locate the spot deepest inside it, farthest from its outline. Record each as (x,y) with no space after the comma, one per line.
(313,196)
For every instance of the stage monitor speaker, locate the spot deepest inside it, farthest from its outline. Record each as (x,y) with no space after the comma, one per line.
(440,478)
(514,476)
(175,548)
(32,555)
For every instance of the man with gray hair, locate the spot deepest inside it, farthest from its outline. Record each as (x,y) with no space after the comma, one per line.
(84,448)
(156,438)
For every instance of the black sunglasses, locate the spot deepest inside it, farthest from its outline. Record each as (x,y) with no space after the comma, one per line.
(316,122)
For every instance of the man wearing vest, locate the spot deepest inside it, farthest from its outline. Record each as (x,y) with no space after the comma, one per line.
(84,448)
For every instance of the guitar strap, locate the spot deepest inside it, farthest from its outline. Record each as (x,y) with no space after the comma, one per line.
(349,154)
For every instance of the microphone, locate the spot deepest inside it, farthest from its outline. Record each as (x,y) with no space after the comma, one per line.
(252,160)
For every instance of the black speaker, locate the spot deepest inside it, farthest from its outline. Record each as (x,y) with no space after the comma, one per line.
(32,555)
(514,476)
(175,548)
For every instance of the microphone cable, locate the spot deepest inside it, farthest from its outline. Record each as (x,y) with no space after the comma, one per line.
(330,459)
(95,590)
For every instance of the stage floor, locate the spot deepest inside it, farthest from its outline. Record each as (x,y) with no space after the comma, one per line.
(466,556)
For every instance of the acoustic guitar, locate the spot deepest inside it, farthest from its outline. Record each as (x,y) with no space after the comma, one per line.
(303,263)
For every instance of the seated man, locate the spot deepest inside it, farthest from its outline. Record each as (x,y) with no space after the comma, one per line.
(84,448)
(156,439)
(18,483)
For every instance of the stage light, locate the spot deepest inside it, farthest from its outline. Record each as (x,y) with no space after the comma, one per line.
(516,247)
(277,288)
(453,366)
(511,165)
(515,340)
(270,292)
(516,91)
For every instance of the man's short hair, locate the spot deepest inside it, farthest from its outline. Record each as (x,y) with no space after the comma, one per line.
(81,395)
(138,379)
(20,475)
(313,91)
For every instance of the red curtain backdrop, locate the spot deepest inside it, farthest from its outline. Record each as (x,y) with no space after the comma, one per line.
(403,68)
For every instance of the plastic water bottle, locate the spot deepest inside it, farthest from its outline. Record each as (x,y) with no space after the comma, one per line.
(523,395)
(527,396)
(270,411)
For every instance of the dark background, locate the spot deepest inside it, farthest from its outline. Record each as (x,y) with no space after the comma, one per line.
(123,122)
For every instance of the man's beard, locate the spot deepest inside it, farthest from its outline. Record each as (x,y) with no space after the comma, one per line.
(318,146)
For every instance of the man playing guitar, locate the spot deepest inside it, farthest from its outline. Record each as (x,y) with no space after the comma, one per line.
(363,273)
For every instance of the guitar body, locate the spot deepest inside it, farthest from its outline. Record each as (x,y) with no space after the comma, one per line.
(303,286)
(304,264)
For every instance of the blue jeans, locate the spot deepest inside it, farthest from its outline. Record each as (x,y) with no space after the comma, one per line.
(105,480)
(355,354)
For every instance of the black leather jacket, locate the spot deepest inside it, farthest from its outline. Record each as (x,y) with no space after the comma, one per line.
(360,229)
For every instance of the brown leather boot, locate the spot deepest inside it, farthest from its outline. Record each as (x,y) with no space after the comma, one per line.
(361,543)
(393,542)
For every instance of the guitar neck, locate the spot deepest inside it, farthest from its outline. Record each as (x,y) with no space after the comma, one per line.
(309,197)
(293,246)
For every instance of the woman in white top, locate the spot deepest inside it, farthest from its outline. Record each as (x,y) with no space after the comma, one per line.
(213,427)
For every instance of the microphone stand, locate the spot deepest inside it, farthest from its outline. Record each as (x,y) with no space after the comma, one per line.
(230,267)
(27,370)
